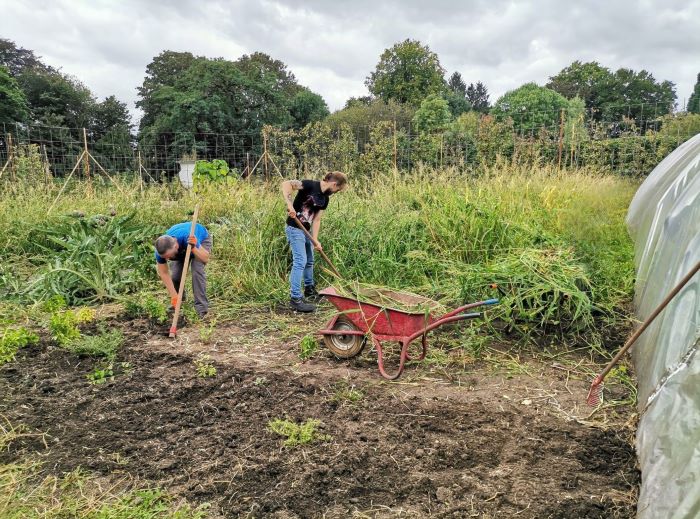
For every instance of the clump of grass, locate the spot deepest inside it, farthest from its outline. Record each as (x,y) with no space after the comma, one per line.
(28,495)
(297,434)
(307,347)
(346,394)
(145,305)
(205,368)
(12,339)
(540,290)
(104,345)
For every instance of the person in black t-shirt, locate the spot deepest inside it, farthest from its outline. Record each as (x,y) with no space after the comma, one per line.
(308,206)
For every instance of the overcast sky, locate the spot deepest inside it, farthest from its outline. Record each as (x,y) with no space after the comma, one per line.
(331,46)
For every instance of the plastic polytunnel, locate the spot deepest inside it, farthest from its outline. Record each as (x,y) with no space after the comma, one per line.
(664,222)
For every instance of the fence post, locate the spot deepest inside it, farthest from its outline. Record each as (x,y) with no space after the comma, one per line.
(11,157)
(561,137)
(395,148)
(265,154)
(86,157)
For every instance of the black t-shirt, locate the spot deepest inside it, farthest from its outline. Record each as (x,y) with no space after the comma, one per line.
(308,202)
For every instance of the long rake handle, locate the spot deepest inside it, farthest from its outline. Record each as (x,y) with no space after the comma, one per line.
(181,289)
(648,321)
(323,254)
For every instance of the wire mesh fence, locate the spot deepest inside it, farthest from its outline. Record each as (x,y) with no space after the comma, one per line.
(628,146)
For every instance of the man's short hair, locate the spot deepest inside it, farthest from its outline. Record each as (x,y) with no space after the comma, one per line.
(338,177)
(164,244)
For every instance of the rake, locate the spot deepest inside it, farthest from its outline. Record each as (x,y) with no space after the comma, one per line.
(181,290)
(594,394)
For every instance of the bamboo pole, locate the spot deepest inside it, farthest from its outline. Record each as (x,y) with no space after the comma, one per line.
(86,157)
(561,137)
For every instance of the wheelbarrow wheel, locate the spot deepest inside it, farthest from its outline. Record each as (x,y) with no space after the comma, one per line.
(344,346)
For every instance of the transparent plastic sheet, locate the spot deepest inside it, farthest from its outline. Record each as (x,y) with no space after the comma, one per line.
(664,221)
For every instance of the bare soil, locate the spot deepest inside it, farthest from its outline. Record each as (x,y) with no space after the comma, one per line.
(505,437)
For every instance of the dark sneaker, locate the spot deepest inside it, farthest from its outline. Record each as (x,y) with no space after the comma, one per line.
(311,293)
(301,306)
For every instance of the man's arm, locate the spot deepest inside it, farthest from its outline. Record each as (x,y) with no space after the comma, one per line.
(200,253)
(164,273)
(288,187)
(315,227)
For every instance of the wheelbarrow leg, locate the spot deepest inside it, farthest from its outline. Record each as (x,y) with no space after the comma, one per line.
(424,349)
(380,359)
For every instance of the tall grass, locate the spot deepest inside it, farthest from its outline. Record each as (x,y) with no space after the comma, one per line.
(555,241)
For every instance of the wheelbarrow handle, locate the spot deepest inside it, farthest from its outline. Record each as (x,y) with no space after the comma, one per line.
(441,321)
(468,307)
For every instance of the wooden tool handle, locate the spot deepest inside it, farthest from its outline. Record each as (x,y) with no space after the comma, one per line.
(181,289)
(323,254)
(649,320)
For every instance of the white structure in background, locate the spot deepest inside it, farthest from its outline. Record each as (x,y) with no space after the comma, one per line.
(186,170)
(664,221)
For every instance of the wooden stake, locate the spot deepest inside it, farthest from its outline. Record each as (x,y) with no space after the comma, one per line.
(561,136)
(65,184)
(86,157)
(264,155)
(47,167)
(8,140)
(181,290)
(395,147)
(140,168)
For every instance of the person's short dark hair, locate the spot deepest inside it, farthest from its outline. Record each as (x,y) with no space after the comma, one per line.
(164,244)
(338,177)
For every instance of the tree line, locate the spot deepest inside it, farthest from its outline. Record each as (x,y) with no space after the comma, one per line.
(187,99)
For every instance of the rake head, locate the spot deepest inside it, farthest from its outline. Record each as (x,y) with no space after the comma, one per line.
(595,393)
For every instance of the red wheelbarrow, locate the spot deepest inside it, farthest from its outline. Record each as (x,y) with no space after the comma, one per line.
(347,332)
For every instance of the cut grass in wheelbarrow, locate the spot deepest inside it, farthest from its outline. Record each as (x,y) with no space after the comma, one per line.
(382,315)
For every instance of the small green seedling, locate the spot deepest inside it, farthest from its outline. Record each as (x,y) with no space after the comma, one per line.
(64,327)
(101,375)
(297,434)
(307,347)
(205,368)
(260,381)
(12,339)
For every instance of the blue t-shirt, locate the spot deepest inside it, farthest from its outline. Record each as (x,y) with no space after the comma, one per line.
(181,232)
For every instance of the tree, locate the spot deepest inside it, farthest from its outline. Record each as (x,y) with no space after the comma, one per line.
(359,101)
(307,107)
(611,96)
(530,107)
(214,97)
(163,71)
(408,72)
(259,65)
(433,114)
(16,59)
(456,95)
(589,81)
(360,116)
(56,99)
(478,97)
(694,100)
(13,103)
(457,84)
(110,114)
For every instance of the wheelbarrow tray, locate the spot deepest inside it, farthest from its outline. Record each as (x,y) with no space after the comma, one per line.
(381,321)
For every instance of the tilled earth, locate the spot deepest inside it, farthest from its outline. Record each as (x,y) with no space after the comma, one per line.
(398,451)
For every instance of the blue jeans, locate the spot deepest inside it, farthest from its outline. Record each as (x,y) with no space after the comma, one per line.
(302,260)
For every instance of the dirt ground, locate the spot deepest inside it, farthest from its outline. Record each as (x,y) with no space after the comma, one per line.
(505,436)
